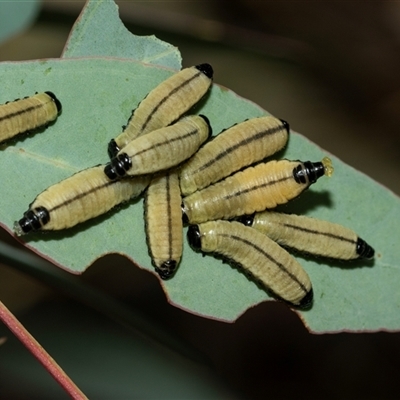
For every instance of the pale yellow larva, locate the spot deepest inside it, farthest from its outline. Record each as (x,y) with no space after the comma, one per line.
(80,197)
(238,146)
(27,114)
(254,189)
(260,257)
(163,220)
(165,104)
(160,149)
(310,235)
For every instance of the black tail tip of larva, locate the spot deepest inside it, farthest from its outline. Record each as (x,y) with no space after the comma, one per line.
(56,101)
(118,166)
(113,148)
(33,220)
(185,218)
(309,172)
(208,124)
(206,69)
(246,220)
(307,301)
(110,171)
(167,269)
(285,125)
(315,170)
(364,250)
(194,237)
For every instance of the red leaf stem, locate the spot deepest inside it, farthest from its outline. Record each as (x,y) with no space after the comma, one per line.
(40,353)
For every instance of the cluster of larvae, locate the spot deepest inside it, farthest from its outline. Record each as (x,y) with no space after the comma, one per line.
(221,187)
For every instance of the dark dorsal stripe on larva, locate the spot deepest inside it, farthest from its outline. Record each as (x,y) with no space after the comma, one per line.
(81,195)
(168,201)
(161,149)
(269,257)
(165,104)
(13,114)
(237,147)
(361,248)
(320,233)
(76,199)
(241,144)
(167,96)
(258,256)
(257,188)
(167,142)
(28,114)
(164,230)
(310,235)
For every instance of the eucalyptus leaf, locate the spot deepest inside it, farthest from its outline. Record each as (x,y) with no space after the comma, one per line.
(99,31)
(347,296)
(98,95)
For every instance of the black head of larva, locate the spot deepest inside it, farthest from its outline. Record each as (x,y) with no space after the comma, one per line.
(185,218)
(194,237)
(364,250)
(32,220)
(285,124)
(208,123)
(246,220)
(167,269)
(113,148)
(56,101)
(308,172)
(206,69)
(118,166)
(306,301)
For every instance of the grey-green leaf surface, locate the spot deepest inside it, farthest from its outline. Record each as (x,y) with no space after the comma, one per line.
(16,15)
(99,32)
(360,297)
(98,95)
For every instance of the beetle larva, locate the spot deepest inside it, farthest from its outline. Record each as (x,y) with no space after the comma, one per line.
(310,235)
(254,189)
(160,149)
(258,256)
(27,114)
(163,218)
(165,104)
(80,197)
(239,146)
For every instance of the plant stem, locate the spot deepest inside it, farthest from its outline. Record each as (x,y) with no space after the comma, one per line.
(40,353)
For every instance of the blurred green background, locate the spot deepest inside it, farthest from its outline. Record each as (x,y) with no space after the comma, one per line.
(332,70)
